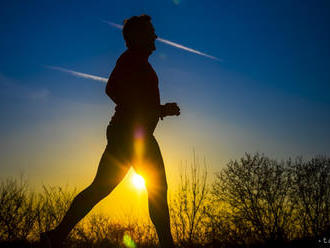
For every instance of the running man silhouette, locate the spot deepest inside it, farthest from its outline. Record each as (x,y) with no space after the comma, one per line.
(133,86)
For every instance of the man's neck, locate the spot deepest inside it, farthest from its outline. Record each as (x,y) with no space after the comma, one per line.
(140,52)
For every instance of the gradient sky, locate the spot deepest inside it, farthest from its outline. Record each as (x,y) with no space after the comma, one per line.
(269,94)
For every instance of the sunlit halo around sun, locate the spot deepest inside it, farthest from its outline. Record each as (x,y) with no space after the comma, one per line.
(138,181)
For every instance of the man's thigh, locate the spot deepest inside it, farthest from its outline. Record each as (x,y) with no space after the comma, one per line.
(152,166)
(114,163)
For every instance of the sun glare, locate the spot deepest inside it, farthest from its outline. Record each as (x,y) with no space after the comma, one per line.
(138,181)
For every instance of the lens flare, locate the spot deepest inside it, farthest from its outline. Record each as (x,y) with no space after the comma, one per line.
(139,146)
(138,181)
(128,241)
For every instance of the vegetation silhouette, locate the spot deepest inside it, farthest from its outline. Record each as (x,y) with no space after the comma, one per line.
(252,202)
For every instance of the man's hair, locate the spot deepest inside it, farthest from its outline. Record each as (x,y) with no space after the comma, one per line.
(133,27)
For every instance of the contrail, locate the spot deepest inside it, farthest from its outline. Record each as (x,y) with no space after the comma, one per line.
(171,43)
(118,26)
(79,74)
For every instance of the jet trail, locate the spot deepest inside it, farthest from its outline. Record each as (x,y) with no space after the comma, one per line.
(171,43)
(168,42)
(118,26)
(79,74)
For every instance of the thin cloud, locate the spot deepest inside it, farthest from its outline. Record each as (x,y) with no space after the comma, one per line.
(79,74)
(15,89)
(168,42)
(41,94)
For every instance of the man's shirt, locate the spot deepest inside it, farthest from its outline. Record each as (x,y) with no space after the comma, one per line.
(133,86)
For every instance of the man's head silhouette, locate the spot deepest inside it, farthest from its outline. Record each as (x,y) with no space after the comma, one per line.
(139,33)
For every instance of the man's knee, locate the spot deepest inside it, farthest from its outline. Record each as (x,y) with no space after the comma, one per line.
(157,191)
(100,190)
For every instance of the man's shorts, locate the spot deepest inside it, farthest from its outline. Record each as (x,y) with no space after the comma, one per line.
(131,145)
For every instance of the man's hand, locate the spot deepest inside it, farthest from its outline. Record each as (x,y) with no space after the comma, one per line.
(170,109)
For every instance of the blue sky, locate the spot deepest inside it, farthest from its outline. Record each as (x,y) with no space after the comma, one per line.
(270,93)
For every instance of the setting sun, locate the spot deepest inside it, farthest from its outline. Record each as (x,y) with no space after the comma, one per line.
(138,181)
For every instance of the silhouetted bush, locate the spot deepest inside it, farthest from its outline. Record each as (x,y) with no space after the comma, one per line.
(188,205)
(256,191)
(51,205)
(17,215)
(311,194)
(98,229)
(252,202)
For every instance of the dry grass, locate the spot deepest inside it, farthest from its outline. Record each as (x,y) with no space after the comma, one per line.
(252,202)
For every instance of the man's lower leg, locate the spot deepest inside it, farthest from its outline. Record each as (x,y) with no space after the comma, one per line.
(159,214)
(79,208)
